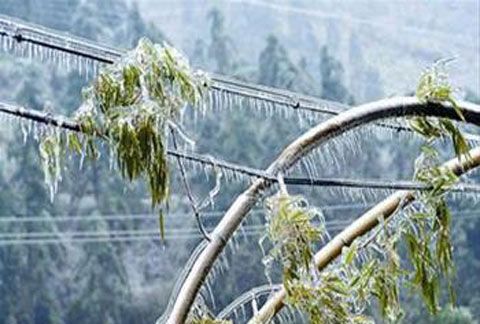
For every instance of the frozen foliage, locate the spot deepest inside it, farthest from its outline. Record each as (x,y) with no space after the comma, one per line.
(130,105)
(374,269)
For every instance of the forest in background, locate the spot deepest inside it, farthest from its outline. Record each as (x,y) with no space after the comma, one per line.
(130,282)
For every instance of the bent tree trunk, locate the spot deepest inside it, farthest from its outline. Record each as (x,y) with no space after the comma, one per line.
(333,127)
(360,227)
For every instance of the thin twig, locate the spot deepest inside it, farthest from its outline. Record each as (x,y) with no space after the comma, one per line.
(188,190)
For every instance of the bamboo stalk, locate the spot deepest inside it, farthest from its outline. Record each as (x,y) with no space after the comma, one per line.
(360,227)
(333,127)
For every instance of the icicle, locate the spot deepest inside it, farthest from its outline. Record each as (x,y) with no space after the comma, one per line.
(210,293)
(235,313)
(186,139)
(263,105)
(181,279)
(25,128)
(28,49)
(254,305)
(243,311)
(111,157)
(82,159)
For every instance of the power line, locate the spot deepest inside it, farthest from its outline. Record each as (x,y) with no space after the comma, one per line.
(145,216)
(134,217)
(83,233)
(376,184)
(119,234)
(61,122)
(20,32)
(105,237)
(127,232)
(93,218)
(154,217)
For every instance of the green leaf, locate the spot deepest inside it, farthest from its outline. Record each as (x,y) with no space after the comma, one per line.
(129,105)
(161,222)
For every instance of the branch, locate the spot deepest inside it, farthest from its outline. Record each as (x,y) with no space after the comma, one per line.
(188,191)
(334,127)
(360,227)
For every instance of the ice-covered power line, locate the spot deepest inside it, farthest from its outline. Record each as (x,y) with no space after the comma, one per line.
(31,40)
(235,169)
(61,122)
(36,41)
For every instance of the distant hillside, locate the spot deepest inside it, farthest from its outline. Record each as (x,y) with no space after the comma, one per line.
(389,45)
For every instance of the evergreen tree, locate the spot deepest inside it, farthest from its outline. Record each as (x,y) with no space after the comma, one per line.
(198,57)
(331,72)
(136,27)
(277,70)
(221,47)
(103,285)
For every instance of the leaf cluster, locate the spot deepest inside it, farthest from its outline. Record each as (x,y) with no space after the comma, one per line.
(293,234)
(341,293)
(428,235)
(130,105)
(434,86)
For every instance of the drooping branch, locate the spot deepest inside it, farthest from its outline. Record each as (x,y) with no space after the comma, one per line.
(188,191)
(360,227)
(334,127)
